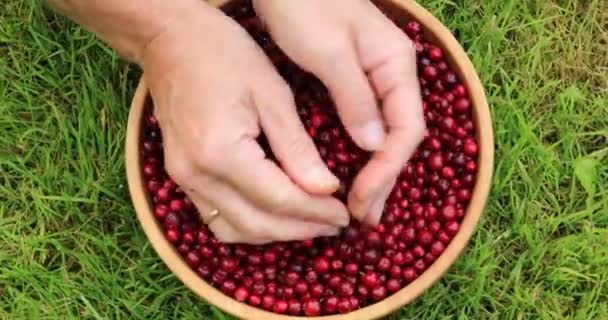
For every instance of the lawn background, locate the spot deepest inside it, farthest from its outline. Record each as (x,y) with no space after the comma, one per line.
(71,247)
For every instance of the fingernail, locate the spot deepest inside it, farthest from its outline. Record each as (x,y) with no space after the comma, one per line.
(323,177)
(371,135)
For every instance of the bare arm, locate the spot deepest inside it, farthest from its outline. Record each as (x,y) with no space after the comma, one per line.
(126,25)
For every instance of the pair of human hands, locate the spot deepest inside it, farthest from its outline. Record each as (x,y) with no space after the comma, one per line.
(215,92)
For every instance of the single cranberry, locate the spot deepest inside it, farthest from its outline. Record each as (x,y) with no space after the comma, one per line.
(152,186)
(373,239)
(344,305)
(444,237)
(371,256)
(291,278)
(280,307)
(204,271)
(254,300)
(241,294)
(419,266)
(425,237)
(448,213)
(294,307)
(448,172)
(430,72)
(470,148)
(268,301)
(418,251)
(378,293)
(351,269)
(334,281)
(312,308)
(384,264)
(193,259)
(452,227)
(393,285)
(321,265)
(161,211)
(228,287)
(172,235)
(311,276)
(437,248)
(435,161)
(413,28)
(409,275)
(330,305)
(317,290)
(163,195)
(370,279)
(435,53)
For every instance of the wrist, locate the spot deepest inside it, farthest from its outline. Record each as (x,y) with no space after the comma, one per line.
(127,26)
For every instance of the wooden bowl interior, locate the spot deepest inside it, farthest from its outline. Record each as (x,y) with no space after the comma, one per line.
(435,31)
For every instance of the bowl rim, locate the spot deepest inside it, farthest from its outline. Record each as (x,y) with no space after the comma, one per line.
(481,114)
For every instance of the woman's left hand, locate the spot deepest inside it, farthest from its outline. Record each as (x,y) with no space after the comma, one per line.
(362,58)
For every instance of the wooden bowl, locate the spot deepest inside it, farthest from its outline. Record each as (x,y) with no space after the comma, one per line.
(436,32)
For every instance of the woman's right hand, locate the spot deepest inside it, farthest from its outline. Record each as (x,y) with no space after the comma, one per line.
(215,92)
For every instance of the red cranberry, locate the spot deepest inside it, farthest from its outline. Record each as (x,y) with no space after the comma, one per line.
(351,269)
(193,259)
(378,293)
(317,290)
(384,264)
(294,307)
(321,265)
(172,235)
(280,307)
(470,148)
(312,308)
(268,302)
(161,211)
(425,237)
(448,213)
(370,279)
(452,227)
(330,305)
(344,305)
(241,294)
(435,53)
(437,248)
(393,285)
(409,275)
(254,300)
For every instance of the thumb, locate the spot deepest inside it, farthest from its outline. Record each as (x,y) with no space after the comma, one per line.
(288,139)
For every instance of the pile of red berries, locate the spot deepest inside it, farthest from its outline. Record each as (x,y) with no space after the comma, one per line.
(361,266)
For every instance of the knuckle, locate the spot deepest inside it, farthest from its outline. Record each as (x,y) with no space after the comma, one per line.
(279,201)
(208,153)
(253,229)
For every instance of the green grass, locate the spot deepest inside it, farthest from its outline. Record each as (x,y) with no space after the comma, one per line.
(71,248)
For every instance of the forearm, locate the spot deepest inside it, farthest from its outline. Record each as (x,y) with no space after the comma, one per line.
(126,25)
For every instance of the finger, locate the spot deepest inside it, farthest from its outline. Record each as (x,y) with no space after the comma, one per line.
(253,225)
(396,82)
(377,207)
(221,228)
(289,141)
(354,98)
(265,184)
